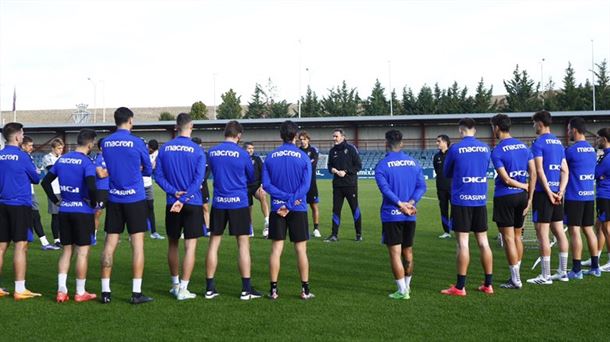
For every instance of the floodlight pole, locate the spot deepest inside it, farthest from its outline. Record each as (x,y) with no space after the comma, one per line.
(300,73)
(593,72)
(390,85)
(94,99)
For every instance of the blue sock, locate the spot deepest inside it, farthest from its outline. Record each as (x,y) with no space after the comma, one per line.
(210,286)
(576,267)
(595,262)
(245,285)
(461,282)
(488,279)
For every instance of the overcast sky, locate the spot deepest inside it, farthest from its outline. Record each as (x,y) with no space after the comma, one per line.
(168,53)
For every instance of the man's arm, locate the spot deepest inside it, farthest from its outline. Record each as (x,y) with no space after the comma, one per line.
(420,187)
(542,180)
(145,160)
(449,164)
(48,188)
(161,180)
(301,192)
(195,185)
(563,180)
(272,189)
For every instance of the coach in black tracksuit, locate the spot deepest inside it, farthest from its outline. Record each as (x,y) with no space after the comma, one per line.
(443,184)
(344,163)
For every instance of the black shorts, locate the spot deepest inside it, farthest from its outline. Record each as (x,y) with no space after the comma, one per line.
(295,223)
(238,219)
(543,211)
(15,223)
(205,193)
(398,233)
(76,228)
(603,209)
(579,213)
(312,194)
(508,210)
(469,219)
(102,199)
(133,214)
(251,191)
(190,218)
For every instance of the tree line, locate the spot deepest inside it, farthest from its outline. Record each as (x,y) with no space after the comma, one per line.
(523,94)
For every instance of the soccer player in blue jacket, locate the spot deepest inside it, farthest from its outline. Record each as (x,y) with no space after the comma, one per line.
(286,177)
(401,182)
(127,161)
(17,173)
(76,175)
(602,182)
(513,193)
(579,199)
(466,163)
(547,205)
(179,172)
(232,170)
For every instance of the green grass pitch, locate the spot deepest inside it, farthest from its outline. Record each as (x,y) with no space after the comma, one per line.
(351,281)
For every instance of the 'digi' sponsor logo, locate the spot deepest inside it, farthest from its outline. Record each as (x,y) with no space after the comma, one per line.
(71,161)
(227,199)
(70,189)
(474,179)
(554,167)
(118,192)
(179,148)
(473,149)
(513,147)
(118,143)
(586,177)
(73,204)
(399,163)
(12,157)
(286,153)
(518,173)
(224,153)
(473,197)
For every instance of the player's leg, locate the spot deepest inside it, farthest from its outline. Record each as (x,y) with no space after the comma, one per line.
(62,274)
(518,233)
(20,219)
(37,226)
(261,196)
(513,248)
(605,226)
(206,217)
(245,263)
(592,245)
(398,270)
(173,261)
(191,221)
(211,262)
(136,219)
(443,203)
(82,263)
(461,218)
(463,258)
(277,247)
(352,199)
(562,243)
(576,249)
(407,260)
(151,219)
(338,197)
(486,261)
(303,265)
(315,215)
(3,247)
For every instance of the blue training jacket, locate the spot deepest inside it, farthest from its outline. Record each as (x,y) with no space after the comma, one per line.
(602,176)
(72,170)
(581,159)
(181,167)
(127,161)
(466,163)
(512,155)
(287,177)
(232,169)
(17,173)
(552,152)
(101,183)
(400,179)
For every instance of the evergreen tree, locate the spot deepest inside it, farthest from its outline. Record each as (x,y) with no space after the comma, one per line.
(166,116)
(376,103)
(342,101)
(425,101)
(586,95)
(550,101)
(602,87)
(523,94)
(396,105)
(256,107)
(310,105)
(230,108)
(279,109)
(199,111)
(409,102)
(569,98)
(483,99)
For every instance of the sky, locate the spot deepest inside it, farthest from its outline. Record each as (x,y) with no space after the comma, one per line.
(139,53)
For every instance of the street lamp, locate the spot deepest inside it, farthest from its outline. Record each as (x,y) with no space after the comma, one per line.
(593,72)
(390,85)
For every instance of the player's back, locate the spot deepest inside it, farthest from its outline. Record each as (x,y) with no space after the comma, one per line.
(182,161)
(581,159)
(289,170)
(512,155)
(17,173)
(551,150)
(71,170)
(232,169)
(467,163)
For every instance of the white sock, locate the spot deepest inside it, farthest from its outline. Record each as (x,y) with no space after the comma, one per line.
(80,286)
(519,264)
(184,284)
(57,241)
(514,274)
(61,282)
(546,267)
(175,280)
(106,285)
(20,286)
(44,241)
(267,220)
(408,282)
(137,285)
(563,262)
(400,283)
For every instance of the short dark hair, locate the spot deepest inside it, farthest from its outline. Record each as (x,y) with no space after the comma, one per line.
(27,139)
(182,120)
(467,122)
(604,133)
(393,137)
(122,115)
(233,129)
(544,117)
(340,130)
(288,130)
(153,144)
(445,138)
(247,143)
(85,136)
(10,129)
(196,140)
(578,124)
(502,121)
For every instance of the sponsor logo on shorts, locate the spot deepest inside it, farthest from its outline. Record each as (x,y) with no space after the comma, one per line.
(126,192)
(70,189)
(399,163)
(286,153)
(227,199)
(473,197)
(179,148)
(72,204)
(473,149)
(514,147)
(12,157)
(71,161)
(474,179)
(118,143)
(224,153)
